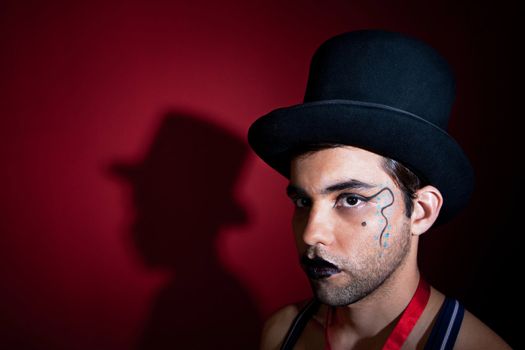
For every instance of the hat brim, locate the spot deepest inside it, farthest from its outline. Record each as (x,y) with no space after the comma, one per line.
(422,147)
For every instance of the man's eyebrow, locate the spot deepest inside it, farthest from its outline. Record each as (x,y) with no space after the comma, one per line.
(345,185)
(292,190)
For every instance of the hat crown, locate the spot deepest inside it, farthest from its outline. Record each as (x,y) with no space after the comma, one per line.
(383,67)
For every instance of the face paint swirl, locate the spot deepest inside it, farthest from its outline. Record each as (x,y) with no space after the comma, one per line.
(381,210)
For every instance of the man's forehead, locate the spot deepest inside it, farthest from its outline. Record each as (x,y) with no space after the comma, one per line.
(333,165)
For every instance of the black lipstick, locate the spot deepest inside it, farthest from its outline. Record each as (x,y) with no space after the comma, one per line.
(318,268)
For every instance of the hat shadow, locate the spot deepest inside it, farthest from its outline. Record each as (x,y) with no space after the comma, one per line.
(182,194)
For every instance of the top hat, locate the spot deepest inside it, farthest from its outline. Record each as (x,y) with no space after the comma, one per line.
(380,91)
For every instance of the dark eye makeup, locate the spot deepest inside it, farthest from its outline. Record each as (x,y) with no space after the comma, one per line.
(345,200)
(349,200)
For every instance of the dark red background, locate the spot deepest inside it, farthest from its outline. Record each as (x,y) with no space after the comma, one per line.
(132,213)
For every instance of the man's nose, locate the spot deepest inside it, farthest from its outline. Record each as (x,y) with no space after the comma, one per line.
(319,227)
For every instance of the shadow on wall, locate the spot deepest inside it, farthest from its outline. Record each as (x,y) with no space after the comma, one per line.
(183,195)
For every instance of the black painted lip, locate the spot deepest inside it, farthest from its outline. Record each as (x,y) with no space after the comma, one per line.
(318,268)
(321,273)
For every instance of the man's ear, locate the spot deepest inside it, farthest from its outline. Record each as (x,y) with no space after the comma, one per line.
(427,205)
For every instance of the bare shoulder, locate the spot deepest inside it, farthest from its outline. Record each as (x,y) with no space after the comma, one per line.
(474,334)
(276,326)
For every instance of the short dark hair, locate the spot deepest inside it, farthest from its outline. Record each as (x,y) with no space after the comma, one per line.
(404,178)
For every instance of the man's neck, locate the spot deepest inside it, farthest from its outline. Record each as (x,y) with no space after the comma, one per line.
(375,313)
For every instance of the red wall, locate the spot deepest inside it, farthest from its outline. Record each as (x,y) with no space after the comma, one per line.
(132,213)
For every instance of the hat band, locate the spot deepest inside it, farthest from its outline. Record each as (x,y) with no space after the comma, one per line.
(373,105)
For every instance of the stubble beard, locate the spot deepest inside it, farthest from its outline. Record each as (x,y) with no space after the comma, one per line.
(356,281)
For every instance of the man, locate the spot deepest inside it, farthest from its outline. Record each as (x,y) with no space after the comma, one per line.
(371,168)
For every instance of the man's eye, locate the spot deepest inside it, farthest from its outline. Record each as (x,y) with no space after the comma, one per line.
(301,202)
(350,201)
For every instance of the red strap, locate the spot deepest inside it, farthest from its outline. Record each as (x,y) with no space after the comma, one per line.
(409,318)
(407,321)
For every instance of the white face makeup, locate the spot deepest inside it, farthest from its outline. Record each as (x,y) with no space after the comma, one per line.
(349,222)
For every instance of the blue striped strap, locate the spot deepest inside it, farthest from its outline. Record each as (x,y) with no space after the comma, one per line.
(446,329)
(298,324)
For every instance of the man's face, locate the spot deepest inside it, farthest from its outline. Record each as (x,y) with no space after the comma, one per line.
(349,222)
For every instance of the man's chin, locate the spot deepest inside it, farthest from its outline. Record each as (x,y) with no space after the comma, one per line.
(333,291)
(331,297)
(325,289)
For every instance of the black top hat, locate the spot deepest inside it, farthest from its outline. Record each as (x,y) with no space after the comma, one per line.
(381,91)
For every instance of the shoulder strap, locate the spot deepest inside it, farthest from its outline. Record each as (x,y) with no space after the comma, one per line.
(446,329)
(298,324)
